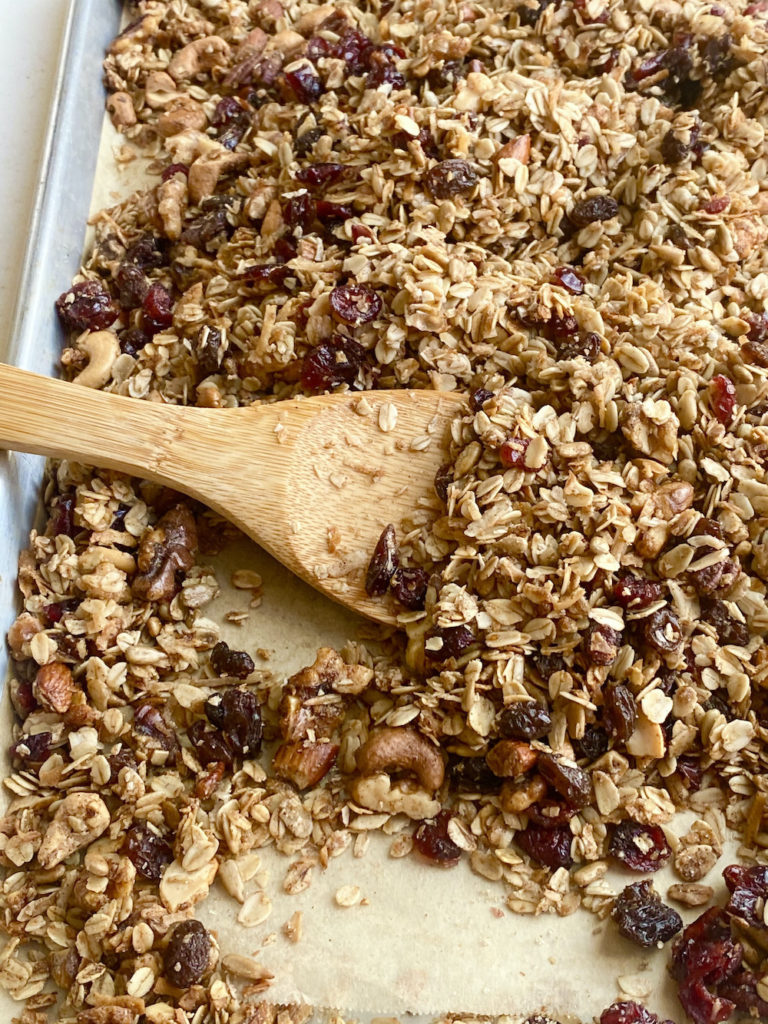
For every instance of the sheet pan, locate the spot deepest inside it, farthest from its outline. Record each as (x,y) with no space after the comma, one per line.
(424,941)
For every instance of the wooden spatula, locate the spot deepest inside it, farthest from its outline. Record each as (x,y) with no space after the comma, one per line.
(314,481)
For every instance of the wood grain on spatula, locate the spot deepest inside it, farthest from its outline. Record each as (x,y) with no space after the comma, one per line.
(313,480)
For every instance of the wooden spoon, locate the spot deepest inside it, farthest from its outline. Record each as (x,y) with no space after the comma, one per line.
(314,481)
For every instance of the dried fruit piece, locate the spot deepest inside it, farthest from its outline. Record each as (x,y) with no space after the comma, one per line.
(209,745)
(722,397)
(601,644)
(640,847)
(355,304)
(512,452)
(238,715)
(409,587)
(149,853)
(748,887)
(642,916)
(703,958)
(132,285)
(729,630)
(432,841)
(570,279)
(187,956)
(226,662)
(455,640)
(86,306)
(158,309)
(628,1012)
(334,362)
(443,480)
(32,750)
(635,593)
(383,563)
(525,720)
(549,846)
(589,211)
(305,83)
(450,178)
(571,782)
(662,630)
(619,711)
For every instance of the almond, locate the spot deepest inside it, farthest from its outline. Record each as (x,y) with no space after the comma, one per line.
(54,687)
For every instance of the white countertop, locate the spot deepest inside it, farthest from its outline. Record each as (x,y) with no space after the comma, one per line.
(30,37)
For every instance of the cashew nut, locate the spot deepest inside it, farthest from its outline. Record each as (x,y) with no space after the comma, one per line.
(285,42)
(188,145)
(102,348)
(145,28)
(120,110)
(185,115)
(172,202)
(159,90)
(402,749)
(199,55)
(380,793)
(207,169)
(79,819)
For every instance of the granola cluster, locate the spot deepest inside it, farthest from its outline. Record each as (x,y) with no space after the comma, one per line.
(556,206)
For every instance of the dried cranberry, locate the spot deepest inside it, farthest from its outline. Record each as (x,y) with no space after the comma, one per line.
(569,279)
(402,140)
(594,743)
(86,306)
(690,772)
(327,211)
(619,711)
(549,846)
(748,887)
(188,954)
(560,327)
(316,48)
(149,853)
(305,83)
(741,990)
(333,362)
(472,775)
(718,204)
(443,480)
(512,452)
(22,695)
(226,662)
(355,304)
(300,211)
(31,750)
(642,916)
(628,1013)
(133,340)
(210,747)
(550,813)
(273,275)
(571,782)
(409,587)
(158,309)
(589,211)
(703,958)
(640,847)
(478,398)
(585,345)
(524,720)
(450,178)
(729,630)
(383,73)
(722,398)
(432,841)
(354,48)
(455,640)
(601,644)
(168,172)
(384,561)
(634,592)
(662,630)
(238,715)
(63,516)
(322,175)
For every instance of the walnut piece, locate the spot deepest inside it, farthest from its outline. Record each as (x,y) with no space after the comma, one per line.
(165,549)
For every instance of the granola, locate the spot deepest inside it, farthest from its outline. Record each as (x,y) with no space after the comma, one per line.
(558,207)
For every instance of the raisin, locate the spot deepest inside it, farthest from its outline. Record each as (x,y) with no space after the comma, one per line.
(121,757)
(601,644)
(472,775)
(208,351)
(662,630)
(524,720)
(211,226)
(673,149)
(455,640)
(758,327)
(748,888)
(305,83)
(210,747)
(512,452)
(148,252)
(157,308)
(586,345)
(300,211)
(402,140)
(619,711)
(642,916)
(432,841)
(594,743)
(384,561)
(478,398)
(133,340)
(188,954)
(86,306)
(355,304)
(238,715)
(409,587)
(63,516)
(306,141)
(548,846)
(550,813)
(589,211)
(571,782)
(529,13)
(718,55)
(729,630)
(443,480)
(331,363)
(30,751)
(322,175)
(149,853)
(546,664)
(570,279)
(755,352)
(722,398)
(450,178)
(226,662)
(232,121)
(690,772)
(132,285)
(639,847)
(634,592)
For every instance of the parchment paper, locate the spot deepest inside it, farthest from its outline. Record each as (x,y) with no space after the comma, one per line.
(425,940)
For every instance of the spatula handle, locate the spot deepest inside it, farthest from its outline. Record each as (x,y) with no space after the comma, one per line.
(51,417)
